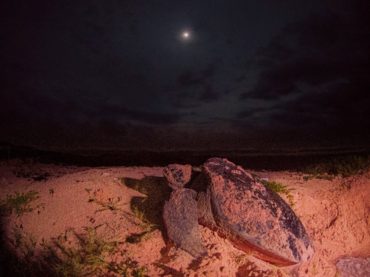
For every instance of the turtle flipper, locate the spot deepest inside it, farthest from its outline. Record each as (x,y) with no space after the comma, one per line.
(180,216)
(205,215)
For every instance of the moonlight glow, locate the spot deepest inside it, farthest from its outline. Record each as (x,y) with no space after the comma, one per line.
(185,35)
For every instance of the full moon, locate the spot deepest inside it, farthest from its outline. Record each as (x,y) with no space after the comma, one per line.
(185,35)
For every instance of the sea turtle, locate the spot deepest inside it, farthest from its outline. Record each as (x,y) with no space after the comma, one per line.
(238,207)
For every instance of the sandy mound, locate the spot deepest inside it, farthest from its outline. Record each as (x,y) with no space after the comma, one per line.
(105,221)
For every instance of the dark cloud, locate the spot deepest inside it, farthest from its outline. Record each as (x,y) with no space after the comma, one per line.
(31,106)
(190,78)
(342,107)
(320,50)
(249,112)
(116,71)
(313,76)
(195,87)
(209,94)
(140,116)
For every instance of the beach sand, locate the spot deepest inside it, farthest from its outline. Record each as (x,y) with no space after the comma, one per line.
(75,204)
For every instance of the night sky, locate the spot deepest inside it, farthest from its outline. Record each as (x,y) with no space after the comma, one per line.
(122,75)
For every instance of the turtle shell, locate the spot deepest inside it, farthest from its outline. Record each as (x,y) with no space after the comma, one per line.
(256,219)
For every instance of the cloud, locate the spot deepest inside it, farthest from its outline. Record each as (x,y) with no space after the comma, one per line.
(209,94)
(39,108)
(195,87)
(190,78)
(317,51)
(149,117)
(314,75)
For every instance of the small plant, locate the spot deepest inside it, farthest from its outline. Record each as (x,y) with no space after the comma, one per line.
(89,257)
(19,202)
(145,224)
(140,272)
(343,166)
(111,204)
(139,214)
(279,188)
(148,209)
(321,176)
(240,259)
(275,186)
(136,237)
(24,244)
(29,172)
(20,259)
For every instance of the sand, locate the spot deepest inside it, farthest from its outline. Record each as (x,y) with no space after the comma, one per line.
(72,200)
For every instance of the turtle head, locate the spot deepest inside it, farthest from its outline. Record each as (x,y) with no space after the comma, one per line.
(177,175)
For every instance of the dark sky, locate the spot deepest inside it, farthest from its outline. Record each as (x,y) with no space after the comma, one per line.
(117,73)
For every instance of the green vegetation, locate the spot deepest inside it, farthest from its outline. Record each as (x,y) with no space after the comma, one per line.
(112,204)
(343,166)
(279,188)
(321,176)
(72,254)
(25,244)
(239,258)
(19,202)
(90,257)
(275,186)
(149,208)
(21,259)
